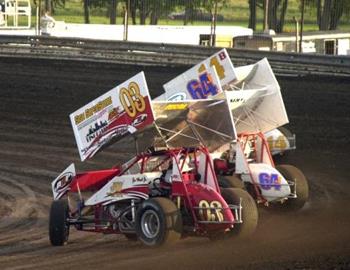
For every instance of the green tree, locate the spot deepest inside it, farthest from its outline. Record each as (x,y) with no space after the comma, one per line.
(329,12)
(86,4)
(276,14)
(252,14)
(190,10)
(133,8)
(277,10)
(112,11)
(152,9)
(50,5)
(110,5)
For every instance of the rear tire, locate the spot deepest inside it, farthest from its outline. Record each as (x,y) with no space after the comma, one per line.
(230,181)
(249,211)
(293,174)
(158,222)
(58,225)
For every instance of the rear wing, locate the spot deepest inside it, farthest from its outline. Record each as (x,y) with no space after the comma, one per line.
(124,110)
(255,99)
(201,81)
(125,115)
(253,92)
(126,118)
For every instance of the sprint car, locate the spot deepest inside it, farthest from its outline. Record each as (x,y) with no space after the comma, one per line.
(249,165)
(257,113)
(157,197)
(169,190)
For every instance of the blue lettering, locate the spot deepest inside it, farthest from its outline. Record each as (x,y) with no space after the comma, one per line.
(195,90)
(264,181)
(208,88)
(268,181)
(203,88)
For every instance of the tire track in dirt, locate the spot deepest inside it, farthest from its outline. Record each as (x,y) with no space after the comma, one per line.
(26,215)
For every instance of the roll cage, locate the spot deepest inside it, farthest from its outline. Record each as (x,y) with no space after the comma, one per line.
(193,163)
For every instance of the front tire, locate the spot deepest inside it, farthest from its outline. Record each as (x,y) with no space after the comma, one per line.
(158,222)
(293,174)
(58,224)
(250,214)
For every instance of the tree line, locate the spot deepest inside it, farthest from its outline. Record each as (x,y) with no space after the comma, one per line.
(329,12)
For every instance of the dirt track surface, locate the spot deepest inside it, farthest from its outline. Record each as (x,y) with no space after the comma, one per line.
(37,143)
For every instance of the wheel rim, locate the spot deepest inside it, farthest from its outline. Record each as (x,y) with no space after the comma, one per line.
(150,224)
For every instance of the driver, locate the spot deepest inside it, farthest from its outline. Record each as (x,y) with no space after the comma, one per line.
(166,176)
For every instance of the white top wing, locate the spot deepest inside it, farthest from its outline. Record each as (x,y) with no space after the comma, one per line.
(203,80)
(261,107)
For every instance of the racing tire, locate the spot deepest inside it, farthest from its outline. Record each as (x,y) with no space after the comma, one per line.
(293,174)
(250,213)
(158,222)
(58,225)
(230,181)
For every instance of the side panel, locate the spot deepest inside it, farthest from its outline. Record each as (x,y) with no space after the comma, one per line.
(92,180)
(209,205)
(272,184)
(124,187)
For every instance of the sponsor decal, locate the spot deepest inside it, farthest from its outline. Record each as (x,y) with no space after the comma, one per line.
(106,137)
(236,100)
(177,97)
(96,130)
(268,181)
(141,179)
(114,114)
(176,106)
(62,183)
(115,189)
(139,120)
(92,110)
